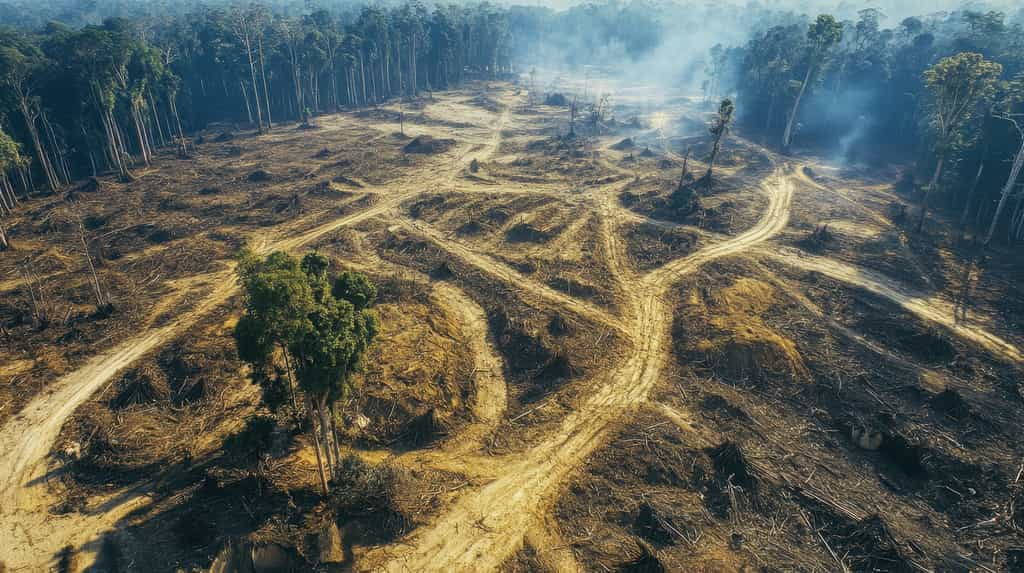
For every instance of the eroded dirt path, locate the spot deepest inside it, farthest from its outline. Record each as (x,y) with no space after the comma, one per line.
(931,308)
(30,536)
(486,526)
(509,505)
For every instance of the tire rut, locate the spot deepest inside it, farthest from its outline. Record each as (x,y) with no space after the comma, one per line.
(487,525)
(30,537)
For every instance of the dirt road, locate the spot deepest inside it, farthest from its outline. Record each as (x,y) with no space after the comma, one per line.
(931,308)
(486,526)
(30,536)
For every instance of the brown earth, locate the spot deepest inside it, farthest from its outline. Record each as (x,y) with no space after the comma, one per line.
(572,374)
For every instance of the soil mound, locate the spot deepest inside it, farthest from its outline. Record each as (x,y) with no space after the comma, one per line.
(527,233)
(744,347)
(142,385)
(556,99)
(627,143)
(426,144)
(260,176)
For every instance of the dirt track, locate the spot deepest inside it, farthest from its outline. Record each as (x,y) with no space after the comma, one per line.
(484,526)
(928,307)
(29,535)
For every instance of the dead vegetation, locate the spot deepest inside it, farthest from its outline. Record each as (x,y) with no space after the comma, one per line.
(735,342)
(182,219)
(727,207)
(802,425)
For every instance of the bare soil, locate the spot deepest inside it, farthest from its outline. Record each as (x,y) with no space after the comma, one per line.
(578,369)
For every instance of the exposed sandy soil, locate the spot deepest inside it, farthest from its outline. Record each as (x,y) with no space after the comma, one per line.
(600,385)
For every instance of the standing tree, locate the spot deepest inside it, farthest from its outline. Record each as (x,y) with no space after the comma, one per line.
(957,85)
(822,34)
(246,28)
(719,128)
(10,158)
(299,330)
(1011,180)
(19,64)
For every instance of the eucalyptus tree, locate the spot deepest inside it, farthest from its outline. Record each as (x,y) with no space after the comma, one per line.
(245,25)
(822,34)
(767,63)
(302,334)
(21,65)
(331,39)
(957,86)
(720,126)
(293,37)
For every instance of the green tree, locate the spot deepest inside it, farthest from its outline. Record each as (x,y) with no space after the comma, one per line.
(719,128)
(10,158)
(298,327)
(822,34)
(957,86)
(20,65)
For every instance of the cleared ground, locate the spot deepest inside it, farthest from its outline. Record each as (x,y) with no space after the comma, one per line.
(573,373)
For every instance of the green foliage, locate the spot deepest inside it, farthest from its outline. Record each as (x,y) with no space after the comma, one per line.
(822,34)
(356,288)
(327,353)
(957,85)
(10,153)
(293,321)
(722,124)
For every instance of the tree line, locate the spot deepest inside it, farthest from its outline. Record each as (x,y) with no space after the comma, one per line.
(104,97)
(946,90)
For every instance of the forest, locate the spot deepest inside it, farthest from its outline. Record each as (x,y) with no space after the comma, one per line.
(865,92)
(91,87)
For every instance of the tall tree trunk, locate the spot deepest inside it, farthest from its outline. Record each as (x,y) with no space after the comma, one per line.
(325,436)
(363,76)
(928,194)
(139,134)
(92,269)
(316,445)
(1017,220)
(5,203)
(63,173)
(714,154)
(412,66)
(44,163)
(263,75)
(970,194)
(12,197)
(245,96)
(26,181)
(1018,161)
(401,84)
(787,136)
(334,88)
(334,432)
(156,119)
(255,91)
(177,120)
